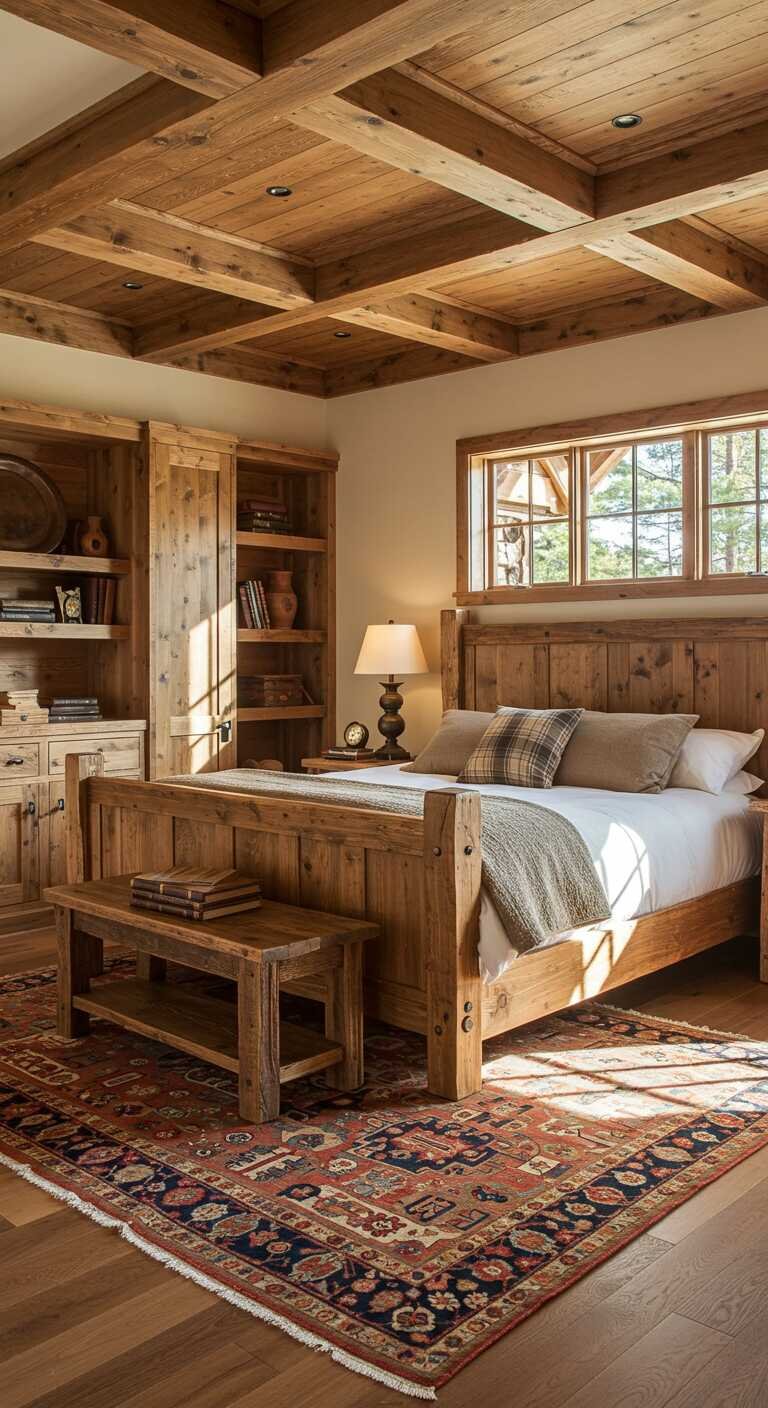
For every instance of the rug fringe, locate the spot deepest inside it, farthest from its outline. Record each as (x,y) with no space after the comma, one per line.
(260,1312)
(677,1022)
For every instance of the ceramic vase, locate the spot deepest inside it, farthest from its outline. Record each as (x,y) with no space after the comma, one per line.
(282,602)
(93,541)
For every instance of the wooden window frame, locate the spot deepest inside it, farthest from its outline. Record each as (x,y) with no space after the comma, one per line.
(692,422)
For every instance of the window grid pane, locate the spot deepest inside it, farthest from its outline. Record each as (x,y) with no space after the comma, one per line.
(525,525)
(648,542)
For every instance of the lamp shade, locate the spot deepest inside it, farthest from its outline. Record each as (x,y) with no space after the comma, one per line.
(391,650)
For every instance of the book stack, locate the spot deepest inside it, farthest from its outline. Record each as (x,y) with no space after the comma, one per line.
(20,706)
(74,709)
(99,600)
(192,893)
(351,755)
(253,605)
(14,610)
(262,516)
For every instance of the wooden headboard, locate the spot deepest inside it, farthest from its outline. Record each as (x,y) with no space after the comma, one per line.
(715,668)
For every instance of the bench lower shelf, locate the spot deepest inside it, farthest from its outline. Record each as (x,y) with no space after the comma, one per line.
(202,1026)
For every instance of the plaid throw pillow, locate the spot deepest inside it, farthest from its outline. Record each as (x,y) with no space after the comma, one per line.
(522,747)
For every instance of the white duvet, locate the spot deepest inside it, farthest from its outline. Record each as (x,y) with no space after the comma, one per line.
(650,850)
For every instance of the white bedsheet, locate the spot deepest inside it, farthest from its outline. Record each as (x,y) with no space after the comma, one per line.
(650,850)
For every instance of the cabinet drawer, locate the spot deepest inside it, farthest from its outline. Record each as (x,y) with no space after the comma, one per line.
(19,760)
(122,752)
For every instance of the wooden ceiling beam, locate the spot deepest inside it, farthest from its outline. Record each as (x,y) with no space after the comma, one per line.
(397,120)
(69,169)
(151,242)
(309,50)
(698,260)
(440,324)
(206,46)
(22,315)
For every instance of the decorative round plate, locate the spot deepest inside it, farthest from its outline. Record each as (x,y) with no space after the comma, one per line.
(32,513)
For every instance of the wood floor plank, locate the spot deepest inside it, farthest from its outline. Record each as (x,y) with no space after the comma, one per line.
(41,1254)
(713,1199)
(736,1378)
(29,1374)
(20,1201)
(212,1380)
(62,1307)
(654,1368)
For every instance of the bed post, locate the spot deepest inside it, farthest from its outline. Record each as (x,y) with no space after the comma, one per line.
(452,657)
(78,767)
(78,836)
(454,991)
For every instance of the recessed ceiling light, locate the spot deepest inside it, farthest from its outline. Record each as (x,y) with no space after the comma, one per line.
(624,120)
(132,284)
(342,334)
(280,191)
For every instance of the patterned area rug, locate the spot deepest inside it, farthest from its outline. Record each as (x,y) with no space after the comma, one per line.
(402,1234)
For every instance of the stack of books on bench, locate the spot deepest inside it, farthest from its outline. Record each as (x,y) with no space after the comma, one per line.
(192,893)
(20,706)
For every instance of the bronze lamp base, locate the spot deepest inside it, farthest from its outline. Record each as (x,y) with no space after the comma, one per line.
(391,724)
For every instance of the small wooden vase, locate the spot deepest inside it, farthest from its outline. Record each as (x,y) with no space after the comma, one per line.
(93,541)
(282,602)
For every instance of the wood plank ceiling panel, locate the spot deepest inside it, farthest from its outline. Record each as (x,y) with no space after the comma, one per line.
(548,285)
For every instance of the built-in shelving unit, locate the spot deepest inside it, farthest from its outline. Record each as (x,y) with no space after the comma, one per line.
(303,482)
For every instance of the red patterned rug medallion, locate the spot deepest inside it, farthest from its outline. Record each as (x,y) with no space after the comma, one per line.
(402,1234)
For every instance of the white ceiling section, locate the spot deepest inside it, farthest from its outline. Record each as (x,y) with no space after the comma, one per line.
(45,78)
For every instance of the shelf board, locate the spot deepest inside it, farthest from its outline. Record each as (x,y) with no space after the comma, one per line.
(284,541)
(269,715)
(60,562)
(200,1025)
(289,637)
(45,630)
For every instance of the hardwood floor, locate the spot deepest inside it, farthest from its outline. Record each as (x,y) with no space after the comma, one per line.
(679,1319)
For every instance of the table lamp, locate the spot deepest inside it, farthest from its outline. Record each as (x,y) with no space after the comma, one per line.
(388,651)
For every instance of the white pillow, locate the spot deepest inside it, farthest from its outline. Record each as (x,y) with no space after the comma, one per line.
(710,757)
(743,783)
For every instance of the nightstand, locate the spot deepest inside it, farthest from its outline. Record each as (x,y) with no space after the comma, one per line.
(342,765)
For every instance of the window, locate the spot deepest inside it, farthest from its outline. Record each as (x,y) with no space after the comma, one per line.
(662,511)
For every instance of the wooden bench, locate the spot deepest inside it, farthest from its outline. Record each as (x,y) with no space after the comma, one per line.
(257,949)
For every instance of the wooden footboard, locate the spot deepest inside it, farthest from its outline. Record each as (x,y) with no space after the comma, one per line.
(418,878)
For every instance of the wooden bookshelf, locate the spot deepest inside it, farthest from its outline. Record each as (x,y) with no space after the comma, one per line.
(303,482)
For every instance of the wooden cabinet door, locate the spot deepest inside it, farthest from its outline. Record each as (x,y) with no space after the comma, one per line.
(192,622)
(19,844)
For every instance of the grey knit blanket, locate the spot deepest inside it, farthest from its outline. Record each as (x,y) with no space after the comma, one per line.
(536,867)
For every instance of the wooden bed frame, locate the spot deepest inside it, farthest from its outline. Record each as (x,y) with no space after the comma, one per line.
(420,878)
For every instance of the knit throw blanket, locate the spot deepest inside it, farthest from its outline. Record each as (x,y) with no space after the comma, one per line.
(536,866)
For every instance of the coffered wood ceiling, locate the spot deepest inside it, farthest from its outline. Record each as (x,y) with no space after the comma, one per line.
(459,194)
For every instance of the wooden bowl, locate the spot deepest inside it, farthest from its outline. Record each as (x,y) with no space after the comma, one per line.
(32,513)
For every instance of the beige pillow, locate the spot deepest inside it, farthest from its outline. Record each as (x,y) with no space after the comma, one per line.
(624,752)
(457,737)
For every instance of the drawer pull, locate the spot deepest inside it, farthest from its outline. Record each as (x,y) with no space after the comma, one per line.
(15,762)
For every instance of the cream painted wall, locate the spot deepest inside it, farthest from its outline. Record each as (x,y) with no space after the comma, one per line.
(396,499)
(89,381)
